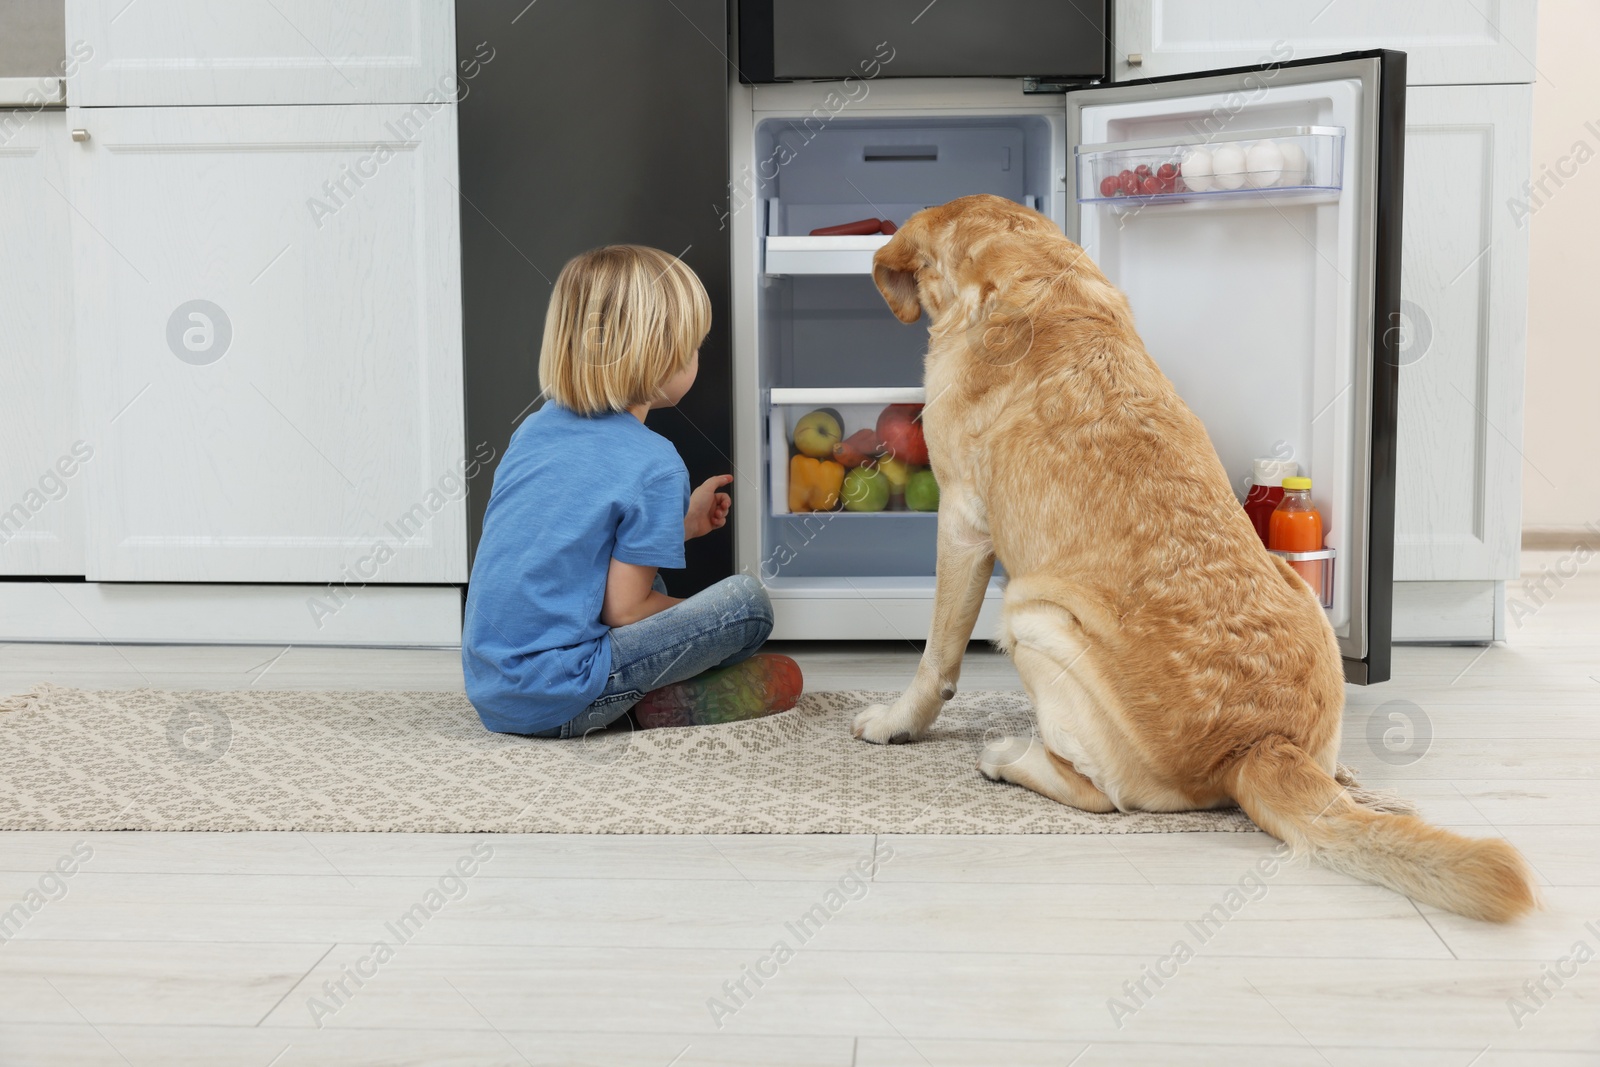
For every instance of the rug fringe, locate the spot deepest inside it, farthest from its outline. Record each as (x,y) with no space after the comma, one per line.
(32,700)
(1379,800)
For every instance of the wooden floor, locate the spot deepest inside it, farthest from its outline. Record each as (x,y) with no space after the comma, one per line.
(221,949)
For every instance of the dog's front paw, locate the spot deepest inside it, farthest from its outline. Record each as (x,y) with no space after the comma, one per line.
(886,724)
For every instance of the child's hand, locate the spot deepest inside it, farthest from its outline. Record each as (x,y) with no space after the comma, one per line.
(708,509)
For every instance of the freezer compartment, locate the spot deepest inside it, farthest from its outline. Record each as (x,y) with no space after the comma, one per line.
(810,175)
(1287,161)
(1316,568)
(825,454)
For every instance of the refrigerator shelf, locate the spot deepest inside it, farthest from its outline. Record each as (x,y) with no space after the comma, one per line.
(848,395)
(1216,198)
(822,255)
(1289,161)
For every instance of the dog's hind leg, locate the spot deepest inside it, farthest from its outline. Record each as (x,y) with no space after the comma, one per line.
(1024,761)
(965,562)
(1049,649)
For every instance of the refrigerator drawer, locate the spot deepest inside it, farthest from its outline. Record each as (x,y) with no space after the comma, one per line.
(827,455)
(867,609)
(842,517)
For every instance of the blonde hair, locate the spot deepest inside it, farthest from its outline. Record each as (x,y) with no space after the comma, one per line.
(623,320)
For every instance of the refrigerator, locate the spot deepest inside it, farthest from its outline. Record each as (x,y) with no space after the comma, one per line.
(1262,267)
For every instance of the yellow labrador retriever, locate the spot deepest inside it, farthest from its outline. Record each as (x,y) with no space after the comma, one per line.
(1174,664)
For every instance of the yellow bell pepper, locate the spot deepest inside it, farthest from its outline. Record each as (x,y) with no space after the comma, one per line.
(814,484)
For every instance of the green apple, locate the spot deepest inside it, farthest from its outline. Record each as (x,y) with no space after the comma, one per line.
(816,432)
(922,492)
(865,490)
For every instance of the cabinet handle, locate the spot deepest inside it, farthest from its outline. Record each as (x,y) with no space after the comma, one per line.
(1135,59)
(80,135)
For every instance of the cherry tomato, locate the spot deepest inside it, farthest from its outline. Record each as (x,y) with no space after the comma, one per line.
(1109,186)
(1149,185)
(1167,172)
(1129,182)
(1142,170)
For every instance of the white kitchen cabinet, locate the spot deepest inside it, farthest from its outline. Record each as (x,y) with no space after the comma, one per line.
(43,446)
(195,52)
(268,315)
(1458,499)
(1447,41)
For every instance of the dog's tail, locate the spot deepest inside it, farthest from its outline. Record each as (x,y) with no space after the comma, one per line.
(1291,797)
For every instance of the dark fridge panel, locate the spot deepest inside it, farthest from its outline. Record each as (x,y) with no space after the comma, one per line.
(600,122)
(787,40)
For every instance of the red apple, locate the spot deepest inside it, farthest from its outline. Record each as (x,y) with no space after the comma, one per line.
(858,448)
(900,428)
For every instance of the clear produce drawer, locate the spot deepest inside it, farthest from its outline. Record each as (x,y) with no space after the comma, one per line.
(1289,160)
(852,452)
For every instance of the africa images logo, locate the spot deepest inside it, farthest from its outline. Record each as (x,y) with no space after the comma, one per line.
(199,332)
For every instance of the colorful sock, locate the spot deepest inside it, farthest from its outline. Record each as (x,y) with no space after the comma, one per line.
(764,684)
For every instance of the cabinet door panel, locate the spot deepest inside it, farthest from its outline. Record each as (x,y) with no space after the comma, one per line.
(269,319)
(1446,41)
(1458,491)
(42,445)
(260,51)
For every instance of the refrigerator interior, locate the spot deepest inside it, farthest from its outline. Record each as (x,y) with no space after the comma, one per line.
(1248,301)
(826,338)
(1244,288)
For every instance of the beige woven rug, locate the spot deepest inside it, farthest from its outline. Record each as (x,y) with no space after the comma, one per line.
(71,759)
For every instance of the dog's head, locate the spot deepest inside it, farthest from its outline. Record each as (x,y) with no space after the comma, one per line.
(940,251)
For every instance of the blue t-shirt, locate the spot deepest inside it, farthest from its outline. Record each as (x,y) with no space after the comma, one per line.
(571,493)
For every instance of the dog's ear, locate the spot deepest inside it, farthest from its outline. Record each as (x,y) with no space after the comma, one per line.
(894,271)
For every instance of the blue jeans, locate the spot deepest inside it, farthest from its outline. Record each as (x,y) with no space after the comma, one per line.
(717,627)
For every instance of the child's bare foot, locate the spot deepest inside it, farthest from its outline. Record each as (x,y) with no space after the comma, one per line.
(764,684)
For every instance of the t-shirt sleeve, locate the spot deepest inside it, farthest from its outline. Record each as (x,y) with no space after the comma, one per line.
(651,531)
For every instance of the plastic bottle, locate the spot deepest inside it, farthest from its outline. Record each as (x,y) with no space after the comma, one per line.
(1296,526)
(1266,491)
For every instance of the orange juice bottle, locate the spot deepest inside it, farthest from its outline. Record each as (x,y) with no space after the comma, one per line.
(1296,526)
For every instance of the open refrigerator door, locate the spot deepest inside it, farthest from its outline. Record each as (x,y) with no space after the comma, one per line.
(1252,217)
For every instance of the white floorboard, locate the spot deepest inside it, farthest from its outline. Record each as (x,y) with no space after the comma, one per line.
(178,949)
